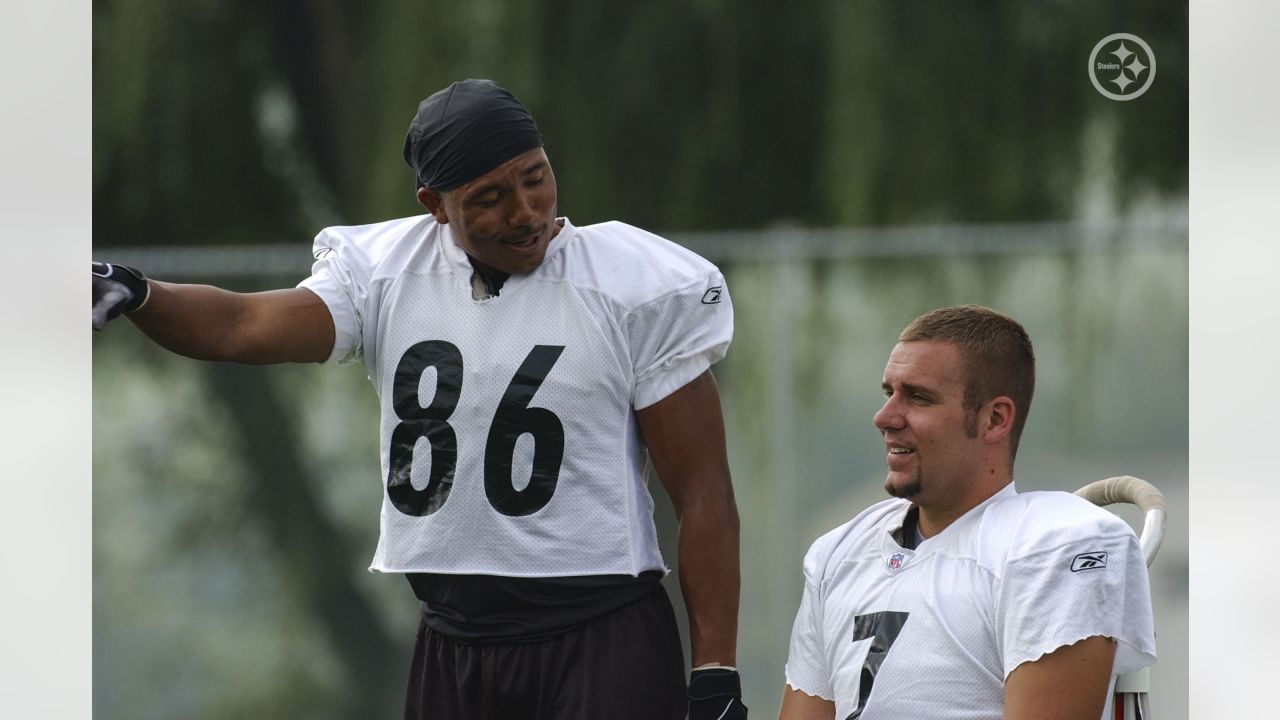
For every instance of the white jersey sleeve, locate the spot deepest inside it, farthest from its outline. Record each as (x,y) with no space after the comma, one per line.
(340,276)
(347,260)
(678,315)
(1074,571)
(675,337)
(807,669)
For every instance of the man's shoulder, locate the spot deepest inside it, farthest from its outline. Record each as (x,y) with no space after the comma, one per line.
(619,236)
(863,530)
(393,227)
(1053,508)
(373,244)
(384,231)
(632,264)
(1040,520)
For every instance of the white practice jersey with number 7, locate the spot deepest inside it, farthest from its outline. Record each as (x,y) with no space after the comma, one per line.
(509,441)
(931,634)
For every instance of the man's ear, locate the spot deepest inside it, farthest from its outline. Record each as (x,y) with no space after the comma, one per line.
(997,419)
(431,200)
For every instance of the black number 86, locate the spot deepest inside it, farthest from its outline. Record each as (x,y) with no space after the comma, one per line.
(512,419)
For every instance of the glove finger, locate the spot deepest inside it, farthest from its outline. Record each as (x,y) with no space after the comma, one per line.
(102,286)
(103,308)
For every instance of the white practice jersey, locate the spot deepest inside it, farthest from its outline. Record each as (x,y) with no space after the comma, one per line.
(932,633)
(509,441)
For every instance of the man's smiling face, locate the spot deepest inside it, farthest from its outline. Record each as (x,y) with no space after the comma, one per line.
(931,441)
(504,219)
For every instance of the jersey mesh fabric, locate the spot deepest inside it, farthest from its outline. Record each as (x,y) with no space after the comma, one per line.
(612,314)
(1000,586)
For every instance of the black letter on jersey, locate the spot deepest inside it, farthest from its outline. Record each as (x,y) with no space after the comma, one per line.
(883,628)
(430,422)
(515,418)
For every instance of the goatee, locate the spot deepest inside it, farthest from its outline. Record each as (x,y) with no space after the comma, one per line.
(905,492)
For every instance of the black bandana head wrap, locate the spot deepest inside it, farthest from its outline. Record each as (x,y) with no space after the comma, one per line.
(466,130)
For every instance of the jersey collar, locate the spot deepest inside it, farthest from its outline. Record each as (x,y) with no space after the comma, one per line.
(458,259)
(896,558)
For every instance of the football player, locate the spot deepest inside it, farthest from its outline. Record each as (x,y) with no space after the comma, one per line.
(526,368)
(960,597)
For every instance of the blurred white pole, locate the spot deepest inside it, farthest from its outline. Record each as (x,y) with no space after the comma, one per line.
(45,462)
(1235,183)
(786,466)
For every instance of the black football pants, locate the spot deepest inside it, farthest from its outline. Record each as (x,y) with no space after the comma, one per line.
(627,665)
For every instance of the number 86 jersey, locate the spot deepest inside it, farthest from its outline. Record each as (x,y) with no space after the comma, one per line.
(509,442)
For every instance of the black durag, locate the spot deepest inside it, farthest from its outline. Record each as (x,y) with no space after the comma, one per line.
(466,130)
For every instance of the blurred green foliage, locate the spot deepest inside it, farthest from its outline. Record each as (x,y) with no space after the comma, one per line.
(237,121)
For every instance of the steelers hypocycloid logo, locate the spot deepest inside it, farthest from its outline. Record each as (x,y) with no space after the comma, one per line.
(1122,66)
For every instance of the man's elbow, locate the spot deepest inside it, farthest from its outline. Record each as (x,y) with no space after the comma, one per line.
(714,505)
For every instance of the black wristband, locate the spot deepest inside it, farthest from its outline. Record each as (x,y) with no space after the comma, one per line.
(131,278)
(715,693)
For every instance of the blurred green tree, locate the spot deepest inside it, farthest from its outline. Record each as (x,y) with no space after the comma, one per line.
(246,122)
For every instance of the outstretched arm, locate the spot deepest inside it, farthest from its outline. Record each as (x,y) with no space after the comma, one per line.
(1069,683)
(209,323)
(684,433)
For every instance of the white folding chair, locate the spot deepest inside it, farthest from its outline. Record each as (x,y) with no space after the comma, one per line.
(1131,694)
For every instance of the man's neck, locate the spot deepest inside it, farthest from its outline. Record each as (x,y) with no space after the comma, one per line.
(909,536)
(490,280)
(935,519)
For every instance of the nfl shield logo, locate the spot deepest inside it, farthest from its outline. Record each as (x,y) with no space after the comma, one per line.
(895,561)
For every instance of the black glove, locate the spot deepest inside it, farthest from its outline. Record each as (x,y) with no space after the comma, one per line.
(116,289)
(716,694)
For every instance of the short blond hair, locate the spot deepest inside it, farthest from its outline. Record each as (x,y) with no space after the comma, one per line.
(996,352)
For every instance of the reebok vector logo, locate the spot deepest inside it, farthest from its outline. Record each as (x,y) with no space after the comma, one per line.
(712,295)
(1088,561)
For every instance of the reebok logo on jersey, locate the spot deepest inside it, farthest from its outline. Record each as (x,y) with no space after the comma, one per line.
(712,295)
(1088,561)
